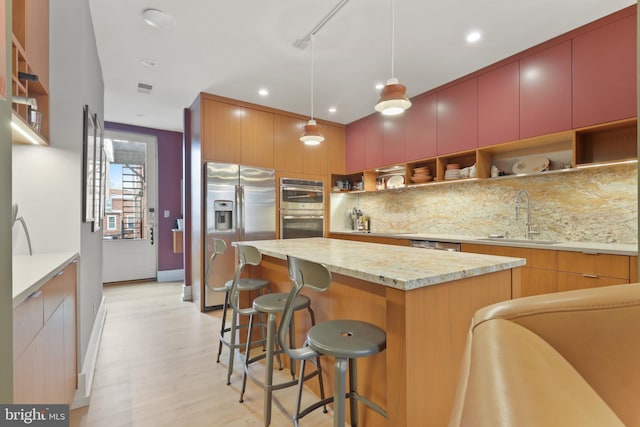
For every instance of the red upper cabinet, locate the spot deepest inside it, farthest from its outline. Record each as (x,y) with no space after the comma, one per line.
(604,74)
(373,141)
(354,147)
(498,105)
(393,144)
(545,91)
(458,117)
(420,128)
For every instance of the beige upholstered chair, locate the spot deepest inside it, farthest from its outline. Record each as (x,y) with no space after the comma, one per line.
(565,359)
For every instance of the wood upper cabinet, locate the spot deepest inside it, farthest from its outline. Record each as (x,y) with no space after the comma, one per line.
(354,147)
(393,144)
(604,74)
(545,91)
(287,145)
(420,128)
(373,141)
(29,54)
(458,117)
(257,138)
(498,105)
(334,140)
(291,155)
(221,132)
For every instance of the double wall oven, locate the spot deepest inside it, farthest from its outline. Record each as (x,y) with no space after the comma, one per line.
(301,208)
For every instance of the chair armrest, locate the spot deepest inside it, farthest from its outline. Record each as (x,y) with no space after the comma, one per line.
(514,378)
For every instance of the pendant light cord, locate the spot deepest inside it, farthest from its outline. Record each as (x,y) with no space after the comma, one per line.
(311,43)
(393,35)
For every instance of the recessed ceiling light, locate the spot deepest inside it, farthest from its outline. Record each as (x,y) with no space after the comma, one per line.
(149,63)
(263,92)
(332,109)
(474,36)
(157,18)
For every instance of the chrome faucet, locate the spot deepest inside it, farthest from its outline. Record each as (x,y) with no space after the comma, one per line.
(530,227)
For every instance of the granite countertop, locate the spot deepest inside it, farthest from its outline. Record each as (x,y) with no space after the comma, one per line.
(589,247)
(31,272)
(399,267)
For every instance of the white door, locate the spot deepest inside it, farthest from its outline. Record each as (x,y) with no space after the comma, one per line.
(129,246)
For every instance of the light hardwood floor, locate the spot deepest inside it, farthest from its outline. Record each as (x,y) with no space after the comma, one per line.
(157,367)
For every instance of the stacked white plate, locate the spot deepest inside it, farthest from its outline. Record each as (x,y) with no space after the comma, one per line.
(452,174)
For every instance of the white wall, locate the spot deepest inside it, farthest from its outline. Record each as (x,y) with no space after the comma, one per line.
(47,181)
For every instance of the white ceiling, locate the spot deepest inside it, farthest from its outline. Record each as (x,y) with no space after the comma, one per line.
(233,48)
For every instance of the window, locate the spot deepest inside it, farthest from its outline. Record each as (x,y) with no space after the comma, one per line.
(126,201)
(111,222)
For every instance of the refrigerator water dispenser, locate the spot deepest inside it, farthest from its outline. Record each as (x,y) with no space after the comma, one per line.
(223,210)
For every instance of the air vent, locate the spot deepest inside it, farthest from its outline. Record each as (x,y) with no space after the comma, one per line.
(144,88)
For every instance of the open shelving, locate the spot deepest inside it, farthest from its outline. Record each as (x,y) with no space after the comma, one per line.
(595,145)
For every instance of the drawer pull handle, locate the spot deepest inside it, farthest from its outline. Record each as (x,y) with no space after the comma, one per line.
(36,294)
(59,273)
(591,276)
(590,253)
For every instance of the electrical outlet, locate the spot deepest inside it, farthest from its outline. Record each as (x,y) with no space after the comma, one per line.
(167,213)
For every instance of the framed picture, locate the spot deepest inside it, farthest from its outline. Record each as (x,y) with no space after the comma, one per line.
(100,176)
(88,170)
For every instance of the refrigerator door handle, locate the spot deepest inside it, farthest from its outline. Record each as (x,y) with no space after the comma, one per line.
(240,211)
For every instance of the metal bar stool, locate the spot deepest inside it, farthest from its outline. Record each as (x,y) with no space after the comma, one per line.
(344,340)
(271,305)
(244,284)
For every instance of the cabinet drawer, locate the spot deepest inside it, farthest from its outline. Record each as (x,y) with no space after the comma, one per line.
(574,281)
(594,264)
(536,258)
(54,291)
(27,321)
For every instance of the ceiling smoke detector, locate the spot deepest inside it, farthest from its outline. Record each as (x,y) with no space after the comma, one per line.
(157,18)
(144,88)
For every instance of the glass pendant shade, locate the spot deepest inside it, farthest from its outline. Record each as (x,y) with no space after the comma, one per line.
(312,134)
(393,100)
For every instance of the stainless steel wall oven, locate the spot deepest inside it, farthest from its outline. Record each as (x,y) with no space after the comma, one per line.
(301,208)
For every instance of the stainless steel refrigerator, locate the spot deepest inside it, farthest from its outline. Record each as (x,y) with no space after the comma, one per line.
(240,205)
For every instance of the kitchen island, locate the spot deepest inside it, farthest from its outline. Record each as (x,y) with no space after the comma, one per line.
(424,300)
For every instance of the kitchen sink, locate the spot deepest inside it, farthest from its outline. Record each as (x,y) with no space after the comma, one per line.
(528,241)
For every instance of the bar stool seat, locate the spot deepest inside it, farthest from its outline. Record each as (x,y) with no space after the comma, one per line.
(272,305)
(347,338)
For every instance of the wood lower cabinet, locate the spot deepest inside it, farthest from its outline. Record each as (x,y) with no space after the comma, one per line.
(578,270)
(550,271)
(45,367)
(363,237)
(539,275)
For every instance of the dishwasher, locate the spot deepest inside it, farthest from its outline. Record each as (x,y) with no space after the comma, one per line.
(438,246)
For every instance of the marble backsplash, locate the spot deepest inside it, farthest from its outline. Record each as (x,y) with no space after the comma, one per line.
(587,205)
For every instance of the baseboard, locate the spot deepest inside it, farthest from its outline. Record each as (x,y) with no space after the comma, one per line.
(170,275)
(85,377)
(186,293)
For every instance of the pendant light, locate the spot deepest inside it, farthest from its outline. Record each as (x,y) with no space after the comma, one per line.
(393,100)
(312,134)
